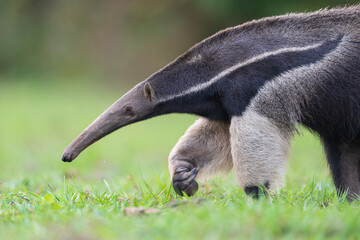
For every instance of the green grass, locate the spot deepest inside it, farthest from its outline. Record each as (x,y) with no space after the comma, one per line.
(42,197)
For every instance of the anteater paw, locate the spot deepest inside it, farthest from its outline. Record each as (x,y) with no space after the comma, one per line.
(183,181)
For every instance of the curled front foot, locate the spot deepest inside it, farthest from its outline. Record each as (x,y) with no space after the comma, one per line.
(183,181)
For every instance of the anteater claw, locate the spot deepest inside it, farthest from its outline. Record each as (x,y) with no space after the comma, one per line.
(183,181)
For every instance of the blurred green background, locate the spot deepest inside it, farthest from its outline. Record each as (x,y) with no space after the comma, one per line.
(64,62)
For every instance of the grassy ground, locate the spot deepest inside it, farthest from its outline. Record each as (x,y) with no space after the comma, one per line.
(42,197)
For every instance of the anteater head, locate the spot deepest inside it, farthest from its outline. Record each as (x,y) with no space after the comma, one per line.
(136,105)
(175,88)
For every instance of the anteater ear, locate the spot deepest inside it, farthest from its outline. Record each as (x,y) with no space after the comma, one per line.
(149,92)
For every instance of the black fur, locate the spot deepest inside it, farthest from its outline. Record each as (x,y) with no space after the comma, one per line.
(246,82)
(215,102)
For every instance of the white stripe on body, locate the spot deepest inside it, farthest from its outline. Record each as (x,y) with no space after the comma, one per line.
(235,67)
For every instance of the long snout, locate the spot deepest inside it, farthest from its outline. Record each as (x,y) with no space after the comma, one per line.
(132,107)
(102,126)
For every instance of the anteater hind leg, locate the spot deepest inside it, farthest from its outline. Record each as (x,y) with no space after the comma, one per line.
(344,162)
(260,152)
(202,151)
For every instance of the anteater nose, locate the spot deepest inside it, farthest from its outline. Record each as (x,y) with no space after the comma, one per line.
(67,158)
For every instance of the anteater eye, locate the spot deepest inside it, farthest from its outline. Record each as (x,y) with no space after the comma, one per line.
(129,110)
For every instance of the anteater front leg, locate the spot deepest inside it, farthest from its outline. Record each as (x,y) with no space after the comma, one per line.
(260,152)
(203,150)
